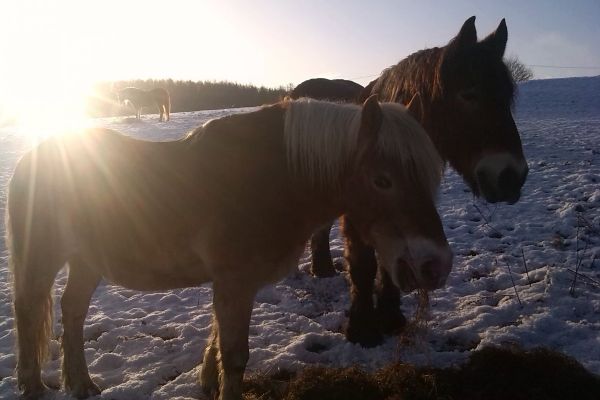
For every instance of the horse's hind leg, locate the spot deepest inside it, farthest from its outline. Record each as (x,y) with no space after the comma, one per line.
(36,256)
(33,316)
(161,112)
(75,302)
(322,265)
(209,377)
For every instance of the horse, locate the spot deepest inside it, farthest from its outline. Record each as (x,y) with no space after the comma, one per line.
(139,98)
(466,93)
(328,89)
(211,208)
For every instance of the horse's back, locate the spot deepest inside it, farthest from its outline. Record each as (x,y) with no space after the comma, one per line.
(159,95)
(97,173)
(143,98)
(43,186)
(328,89)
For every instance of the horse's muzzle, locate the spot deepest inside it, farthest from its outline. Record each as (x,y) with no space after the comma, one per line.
(427,270)
(500,178)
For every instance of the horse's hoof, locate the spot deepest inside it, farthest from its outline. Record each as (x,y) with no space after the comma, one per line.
(391,320)
(33,392)
(85,390)
(365,335)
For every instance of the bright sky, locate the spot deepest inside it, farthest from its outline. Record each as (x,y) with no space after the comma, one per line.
(63,46)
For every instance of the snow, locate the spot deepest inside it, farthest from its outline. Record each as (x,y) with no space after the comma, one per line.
(147,345)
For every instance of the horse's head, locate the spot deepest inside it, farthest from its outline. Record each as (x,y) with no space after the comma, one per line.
(480,138)
(390,199)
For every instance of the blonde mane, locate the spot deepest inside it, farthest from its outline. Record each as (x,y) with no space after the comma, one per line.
(321,140)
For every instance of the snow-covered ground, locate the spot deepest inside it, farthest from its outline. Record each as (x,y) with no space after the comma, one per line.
(147,345)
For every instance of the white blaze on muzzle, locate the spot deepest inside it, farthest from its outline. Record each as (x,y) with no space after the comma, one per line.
(419,263)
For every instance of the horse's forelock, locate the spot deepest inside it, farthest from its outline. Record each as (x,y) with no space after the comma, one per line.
(401,136)
(477,63)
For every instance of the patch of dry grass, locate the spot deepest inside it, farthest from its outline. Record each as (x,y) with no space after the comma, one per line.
(490,374)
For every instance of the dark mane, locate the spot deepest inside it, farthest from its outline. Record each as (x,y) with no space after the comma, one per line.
(428,73)
(417,73)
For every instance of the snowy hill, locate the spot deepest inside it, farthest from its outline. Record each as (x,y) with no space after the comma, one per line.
(559,98)
(146,345)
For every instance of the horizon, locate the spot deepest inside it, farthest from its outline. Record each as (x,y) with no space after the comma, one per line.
(58,50)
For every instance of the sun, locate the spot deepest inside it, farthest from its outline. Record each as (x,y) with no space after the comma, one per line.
(49,109)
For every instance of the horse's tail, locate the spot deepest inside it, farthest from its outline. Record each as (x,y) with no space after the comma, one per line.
(33,262)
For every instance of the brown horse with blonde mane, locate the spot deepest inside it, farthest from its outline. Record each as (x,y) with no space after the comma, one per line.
(138,99)
(466,93)
(213,207)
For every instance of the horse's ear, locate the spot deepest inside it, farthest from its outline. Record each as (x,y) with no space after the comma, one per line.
(415,107)
(467,36)
(371,118)
(496,41)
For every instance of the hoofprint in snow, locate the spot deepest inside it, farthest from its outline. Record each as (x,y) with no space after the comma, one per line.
(147,345)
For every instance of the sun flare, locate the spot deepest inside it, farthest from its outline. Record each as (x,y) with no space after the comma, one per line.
(54,52)
(49,111)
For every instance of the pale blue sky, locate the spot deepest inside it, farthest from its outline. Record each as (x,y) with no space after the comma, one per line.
(352,39)
(274,42)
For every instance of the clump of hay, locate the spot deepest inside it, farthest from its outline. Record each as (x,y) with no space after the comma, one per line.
(490,374)
(415,331)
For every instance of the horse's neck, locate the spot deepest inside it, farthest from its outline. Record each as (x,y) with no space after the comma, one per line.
(418,75)
(245,157)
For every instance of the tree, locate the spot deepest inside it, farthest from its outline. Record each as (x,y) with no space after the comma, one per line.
(519,71)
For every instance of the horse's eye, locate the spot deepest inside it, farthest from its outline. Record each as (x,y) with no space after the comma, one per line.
(382,182)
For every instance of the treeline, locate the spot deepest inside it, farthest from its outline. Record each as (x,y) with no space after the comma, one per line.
(185,96)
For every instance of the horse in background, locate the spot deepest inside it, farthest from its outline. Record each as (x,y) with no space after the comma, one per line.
(466,93)
(328,89)
(138,98)
(166,215)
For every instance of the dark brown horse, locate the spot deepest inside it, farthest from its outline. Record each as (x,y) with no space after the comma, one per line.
(328,89)
(214,207)
(138,99)
(466,94)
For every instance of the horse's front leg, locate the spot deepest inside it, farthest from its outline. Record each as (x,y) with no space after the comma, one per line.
(322,264)
(233,303)
(391,319)
(75,302)
(362,325)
